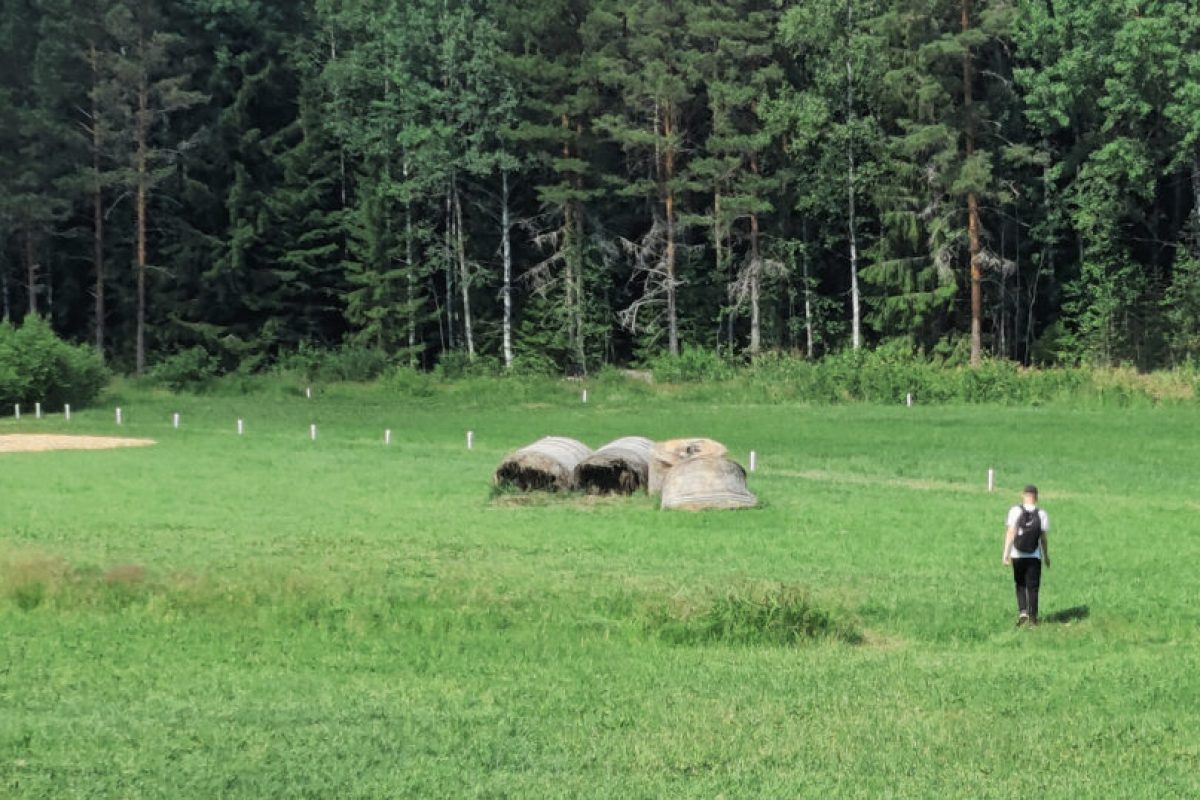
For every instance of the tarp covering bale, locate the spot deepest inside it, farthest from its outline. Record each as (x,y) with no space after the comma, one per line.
(547,464)
(704,482)
(619,467)
(671,452)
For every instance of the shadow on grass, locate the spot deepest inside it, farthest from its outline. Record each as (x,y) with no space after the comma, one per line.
(1073,614)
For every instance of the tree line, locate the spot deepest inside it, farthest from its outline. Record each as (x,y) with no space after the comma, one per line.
(559,184)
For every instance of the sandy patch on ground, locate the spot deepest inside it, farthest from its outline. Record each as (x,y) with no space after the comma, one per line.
(37,442)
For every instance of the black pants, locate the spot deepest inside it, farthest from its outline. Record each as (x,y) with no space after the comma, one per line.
(1027,574)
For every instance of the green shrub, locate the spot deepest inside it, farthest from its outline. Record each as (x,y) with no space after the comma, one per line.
(193,369)
(693,364)
(351,362)
(458,364)
(38,367)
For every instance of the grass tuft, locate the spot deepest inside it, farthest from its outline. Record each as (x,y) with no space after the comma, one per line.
(750,613)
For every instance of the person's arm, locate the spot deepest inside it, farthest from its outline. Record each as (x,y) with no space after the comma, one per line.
(1010,533)
(1045,550)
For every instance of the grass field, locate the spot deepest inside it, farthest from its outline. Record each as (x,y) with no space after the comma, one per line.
(267,616)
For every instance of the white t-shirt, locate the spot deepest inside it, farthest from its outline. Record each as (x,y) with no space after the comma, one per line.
(1014,516)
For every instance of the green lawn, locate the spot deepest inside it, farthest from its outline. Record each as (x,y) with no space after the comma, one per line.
(266,616)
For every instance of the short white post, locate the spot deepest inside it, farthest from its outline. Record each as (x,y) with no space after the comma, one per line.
(118,415)
(470,440)
(37,410)
(17,410)
(67,412)
(387,436)
(241,427)
(175,420)
(753,461)
(908,399)
(585,396)
(312,432)
(308,392)
(991,480)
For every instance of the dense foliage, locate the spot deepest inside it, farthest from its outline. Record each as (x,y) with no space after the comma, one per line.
(38,367)
(565,183)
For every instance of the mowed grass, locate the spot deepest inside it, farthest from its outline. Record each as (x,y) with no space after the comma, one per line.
(267,616)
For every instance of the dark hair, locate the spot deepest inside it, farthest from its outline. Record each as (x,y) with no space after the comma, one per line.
(1031,489)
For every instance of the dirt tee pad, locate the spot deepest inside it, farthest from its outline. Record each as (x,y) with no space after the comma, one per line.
(37,442)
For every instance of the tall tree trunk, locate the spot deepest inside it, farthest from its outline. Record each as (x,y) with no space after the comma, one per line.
(97,201)
(855,294)
(31,268)
(140,211)
(755,277)
(808,310)
(411,296)
(464,278)
(1196,200)
(506,259)
(669,208)
(5,310)
(972,207)
(719,250)
(449,267)
(580,343)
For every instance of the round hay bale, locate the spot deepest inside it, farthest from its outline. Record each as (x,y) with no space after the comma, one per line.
(671,452)
(547,464)
(619,467)
(704,482)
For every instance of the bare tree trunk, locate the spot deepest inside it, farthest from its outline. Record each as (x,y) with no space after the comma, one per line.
(140,211)
(719,249)
(808,310)
(669,207)
(1196,199)
(5,310)
(31,268)
(97,201)
(855,294)
(972,208)
(755,277)
(449,270)
(506,258)
(464,278)
(410,269)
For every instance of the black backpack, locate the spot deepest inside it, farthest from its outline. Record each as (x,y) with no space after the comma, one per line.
(1029,530)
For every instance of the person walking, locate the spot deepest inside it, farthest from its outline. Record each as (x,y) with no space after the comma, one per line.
(1025,548)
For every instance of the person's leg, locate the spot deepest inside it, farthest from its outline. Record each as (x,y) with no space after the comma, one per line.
(1033,582)
(1019,569)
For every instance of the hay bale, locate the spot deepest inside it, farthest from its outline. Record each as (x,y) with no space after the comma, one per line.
(619,467)
(671,452)
(706,482)
(547,464)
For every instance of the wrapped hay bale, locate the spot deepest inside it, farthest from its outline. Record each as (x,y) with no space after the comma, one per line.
(705,482)
(547,464)
(619,467)
(671,452)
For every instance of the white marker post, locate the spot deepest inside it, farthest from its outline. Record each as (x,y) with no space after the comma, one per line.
(585,396)
(991,480)
(470,440)
(312,432)
(37,410)
(67,412)
(753,461)
(308,392)
(908,400)
(387,436)
(118,415)
(17,411)
(241,427)
(175,420)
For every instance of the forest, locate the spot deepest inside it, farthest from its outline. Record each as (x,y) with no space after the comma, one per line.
(556,185)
